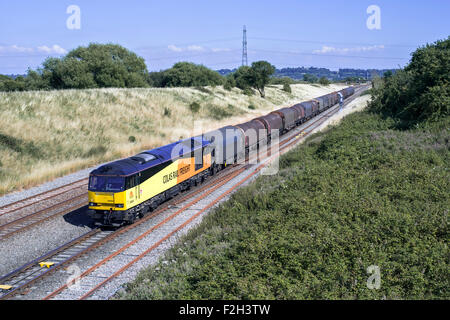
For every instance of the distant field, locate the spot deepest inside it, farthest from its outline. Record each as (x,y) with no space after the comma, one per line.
(360,196)
(46,134)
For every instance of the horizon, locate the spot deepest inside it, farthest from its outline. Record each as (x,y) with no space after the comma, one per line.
(338,36)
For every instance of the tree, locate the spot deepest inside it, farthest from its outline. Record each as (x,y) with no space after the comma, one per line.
(229,83)
(324,81)
(186,74)
(243,77)
(36,81)
(95,66)
(156,79)
(387,74)
(110,65)
(260,73)
(419,92)
(310,78)
(8,84)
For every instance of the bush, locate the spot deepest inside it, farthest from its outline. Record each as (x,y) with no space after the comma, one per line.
(283,80)
(248,91)
(167,112)
(186,74)
(230,83)
(421,91)
(242,77)
(287,88)
(324,81)
(195,107)
(310,78)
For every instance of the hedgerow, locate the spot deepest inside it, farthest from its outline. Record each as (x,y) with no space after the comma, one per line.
(362,194)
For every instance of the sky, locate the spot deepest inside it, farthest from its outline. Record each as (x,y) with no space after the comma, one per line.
(287,33)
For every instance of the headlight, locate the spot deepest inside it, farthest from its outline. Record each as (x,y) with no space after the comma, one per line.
(92,204)
(119,205)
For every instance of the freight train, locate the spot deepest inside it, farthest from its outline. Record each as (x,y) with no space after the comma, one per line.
(124,190)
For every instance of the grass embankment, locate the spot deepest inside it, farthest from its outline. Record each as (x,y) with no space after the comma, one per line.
(47,134)
(360,194)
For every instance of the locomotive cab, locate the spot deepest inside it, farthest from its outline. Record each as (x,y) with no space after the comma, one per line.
(106,195)
(103,191)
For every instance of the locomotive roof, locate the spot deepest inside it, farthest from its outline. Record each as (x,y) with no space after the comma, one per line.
(128,166)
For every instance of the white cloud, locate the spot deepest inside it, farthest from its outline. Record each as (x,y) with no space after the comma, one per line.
(172,47)
(54,49)
(195,48)
(15,49)
(327,49)
(220,49)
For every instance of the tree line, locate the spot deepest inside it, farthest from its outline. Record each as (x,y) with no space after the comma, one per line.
(113,66)
(420,92)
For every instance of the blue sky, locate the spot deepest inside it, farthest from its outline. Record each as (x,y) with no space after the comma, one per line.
(287,33)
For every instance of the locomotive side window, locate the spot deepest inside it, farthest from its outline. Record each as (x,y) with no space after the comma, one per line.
(136,179)
(130,182)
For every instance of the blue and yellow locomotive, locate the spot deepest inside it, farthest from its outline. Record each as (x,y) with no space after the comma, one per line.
(123,190)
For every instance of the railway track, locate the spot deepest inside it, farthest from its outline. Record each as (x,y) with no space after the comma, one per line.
(27,202)
(29,212)
(28,274)
(40,216)
(18,280)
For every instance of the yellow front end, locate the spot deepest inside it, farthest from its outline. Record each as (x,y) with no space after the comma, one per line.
(114,201)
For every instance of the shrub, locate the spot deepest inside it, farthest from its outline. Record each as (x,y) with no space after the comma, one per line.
(310,78)
(324,81)
(167,112)
(248,91)
(287,88)
(283,80)
(195,107)
(229,83)
(186,74)
(421,91)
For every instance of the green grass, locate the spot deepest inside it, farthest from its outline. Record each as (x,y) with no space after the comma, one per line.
(357,195)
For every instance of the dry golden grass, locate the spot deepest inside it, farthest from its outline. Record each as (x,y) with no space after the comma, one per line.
(46,134)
